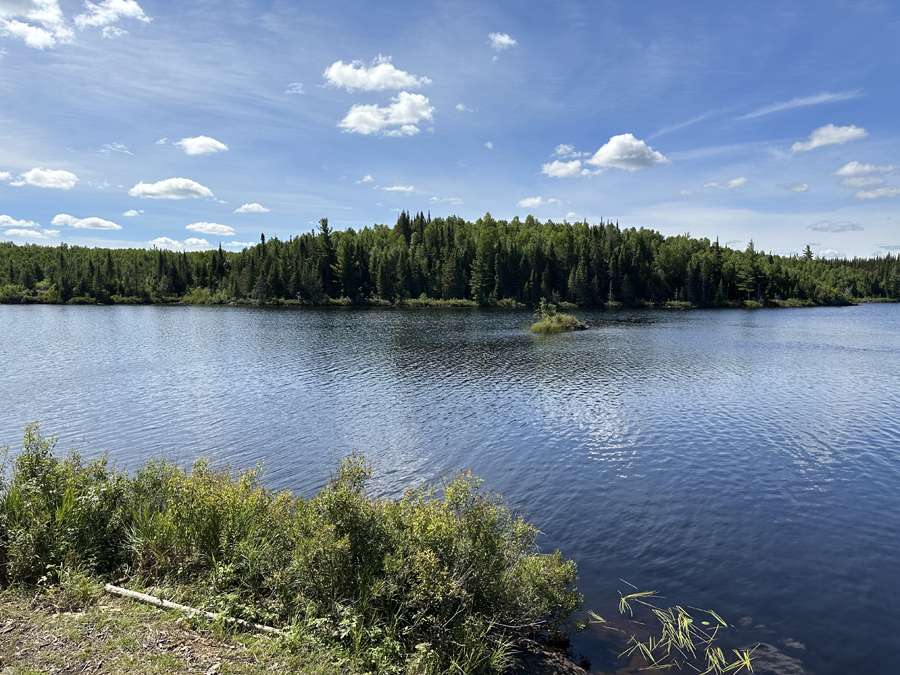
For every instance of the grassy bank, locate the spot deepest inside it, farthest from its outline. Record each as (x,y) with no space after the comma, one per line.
(445,579)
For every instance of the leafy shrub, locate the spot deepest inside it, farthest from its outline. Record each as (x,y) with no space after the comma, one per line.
(58,510)
(443,578)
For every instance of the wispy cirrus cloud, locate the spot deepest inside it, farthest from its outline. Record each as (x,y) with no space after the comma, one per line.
(109,148)
(818,99)
(683,125)
(793,187)
(842,226)
(728,185)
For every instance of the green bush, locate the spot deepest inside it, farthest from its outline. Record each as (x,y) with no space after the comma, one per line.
(58,510)
(444,578)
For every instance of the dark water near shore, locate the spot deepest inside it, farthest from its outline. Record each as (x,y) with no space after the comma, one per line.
(745,461)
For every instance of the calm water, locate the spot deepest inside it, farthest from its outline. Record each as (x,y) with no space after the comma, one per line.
(745,461)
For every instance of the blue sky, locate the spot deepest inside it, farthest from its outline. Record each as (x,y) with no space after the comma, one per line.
(186,125)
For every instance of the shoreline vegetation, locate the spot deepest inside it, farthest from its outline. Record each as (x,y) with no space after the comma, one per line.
(450,262)
(445,579)
(548,320)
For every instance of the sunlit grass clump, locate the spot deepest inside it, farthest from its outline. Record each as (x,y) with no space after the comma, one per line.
(551,321)
(444,579)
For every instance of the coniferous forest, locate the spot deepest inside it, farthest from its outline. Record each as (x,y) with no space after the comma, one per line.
(421,260)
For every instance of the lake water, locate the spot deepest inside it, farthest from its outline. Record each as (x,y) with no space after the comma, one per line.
(744,461)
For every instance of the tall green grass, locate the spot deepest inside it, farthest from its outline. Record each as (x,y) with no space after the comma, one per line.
(445,578)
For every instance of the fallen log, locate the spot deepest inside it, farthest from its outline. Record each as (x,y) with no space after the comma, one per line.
(159,602)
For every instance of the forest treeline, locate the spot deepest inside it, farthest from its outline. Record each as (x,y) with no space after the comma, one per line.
(420,259)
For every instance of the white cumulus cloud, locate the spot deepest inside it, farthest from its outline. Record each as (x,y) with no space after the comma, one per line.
(109,12)
(5,175)
(171,188)
(856,169)
(84,223)
(17,232)
(252,208)
(239,244)
(9,221)
(39,23)
(489,145)
(843,226)
(534,202)
(567,151)
(165,242)
(130,213)
(501,41)
(627,152)
(295,88)
(381,75)
(365,179)
(194,242)
(447,200)
(560,169)
(399,188)
(405,112)
(47,178)
(212,228)
(830,135)
(879,193)
(200,145)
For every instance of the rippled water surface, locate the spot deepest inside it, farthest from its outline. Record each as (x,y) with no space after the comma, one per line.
(745,461)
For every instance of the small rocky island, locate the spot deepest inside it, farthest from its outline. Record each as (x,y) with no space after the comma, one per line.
(548,320)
